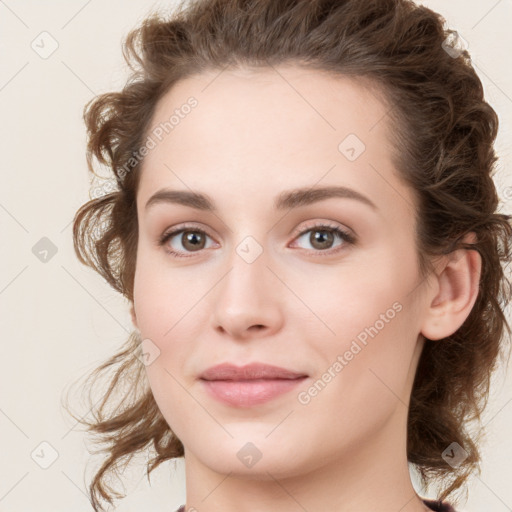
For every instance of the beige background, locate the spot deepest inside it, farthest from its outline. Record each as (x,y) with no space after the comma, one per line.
(60,320)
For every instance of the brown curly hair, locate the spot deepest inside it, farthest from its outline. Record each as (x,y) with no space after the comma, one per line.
(443,133)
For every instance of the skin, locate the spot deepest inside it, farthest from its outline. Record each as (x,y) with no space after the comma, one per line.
(253,135)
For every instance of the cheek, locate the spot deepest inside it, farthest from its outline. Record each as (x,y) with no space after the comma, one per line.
(157,297)
(368,318)
(343,302)
(364,373)
(172,399)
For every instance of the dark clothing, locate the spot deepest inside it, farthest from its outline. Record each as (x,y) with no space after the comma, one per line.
(437,506)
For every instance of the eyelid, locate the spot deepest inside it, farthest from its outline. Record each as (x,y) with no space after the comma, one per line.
(319,224)
(179,228)
(346,234)
(297,231)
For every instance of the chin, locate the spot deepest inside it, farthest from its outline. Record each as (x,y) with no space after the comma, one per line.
(252,455)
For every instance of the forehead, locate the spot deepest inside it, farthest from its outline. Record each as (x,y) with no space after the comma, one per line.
(269,106)
(260,131)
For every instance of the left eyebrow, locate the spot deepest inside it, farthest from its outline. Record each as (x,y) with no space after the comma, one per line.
(305,196)
(285,200)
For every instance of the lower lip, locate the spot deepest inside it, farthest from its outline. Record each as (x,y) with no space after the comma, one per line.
(249,392)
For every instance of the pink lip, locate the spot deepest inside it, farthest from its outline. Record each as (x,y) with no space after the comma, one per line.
(228,371)
(249,385)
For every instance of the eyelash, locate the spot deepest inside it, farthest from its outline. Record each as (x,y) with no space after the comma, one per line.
(345,236)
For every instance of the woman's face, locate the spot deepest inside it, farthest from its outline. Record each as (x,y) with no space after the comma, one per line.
(262,275)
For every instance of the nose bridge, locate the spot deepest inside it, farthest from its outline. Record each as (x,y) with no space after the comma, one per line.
(248,249)
(248,263)
(246,297)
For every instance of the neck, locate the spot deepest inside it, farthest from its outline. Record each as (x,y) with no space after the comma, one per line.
(371,476)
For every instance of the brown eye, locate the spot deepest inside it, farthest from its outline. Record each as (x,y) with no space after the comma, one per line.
(321,239)
(191,240)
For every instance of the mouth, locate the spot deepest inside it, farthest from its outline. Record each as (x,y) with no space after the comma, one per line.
(249,392)
(253,371)
(249,385)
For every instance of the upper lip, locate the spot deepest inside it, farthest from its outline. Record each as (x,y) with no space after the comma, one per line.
(228,371)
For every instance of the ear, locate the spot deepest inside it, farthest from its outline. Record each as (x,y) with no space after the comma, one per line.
(455,292)
(134,316)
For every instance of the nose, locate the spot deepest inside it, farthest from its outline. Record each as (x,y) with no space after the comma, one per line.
(249,298)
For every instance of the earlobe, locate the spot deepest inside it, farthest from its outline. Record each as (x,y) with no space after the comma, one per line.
(458,286)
